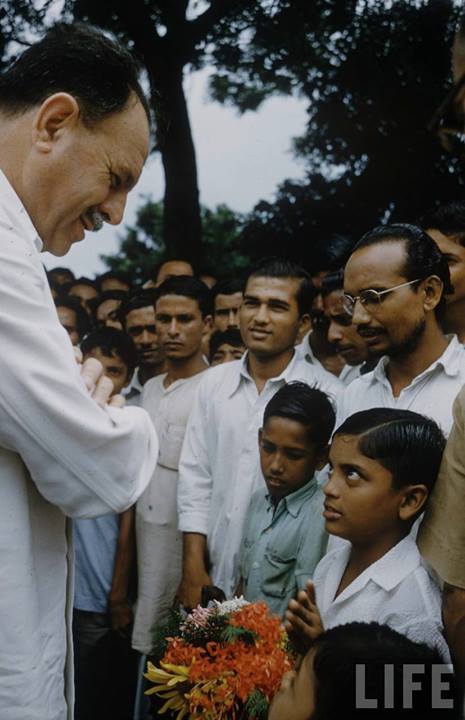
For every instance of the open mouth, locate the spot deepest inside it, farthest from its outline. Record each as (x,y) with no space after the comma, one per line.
(331,513)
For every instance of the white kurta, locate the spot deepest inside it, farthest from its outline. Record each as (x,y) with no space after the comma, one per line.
(60,454)
(159,542)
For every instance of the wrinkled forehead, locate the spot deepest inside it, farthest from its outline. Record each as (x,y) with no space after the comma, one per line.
(377,266)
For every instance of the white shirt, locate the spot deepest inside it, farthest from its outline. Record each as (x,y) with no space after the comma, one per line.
(349,373)
(159,542)
(219,468)
(396,590)
(60,454)
(431,393)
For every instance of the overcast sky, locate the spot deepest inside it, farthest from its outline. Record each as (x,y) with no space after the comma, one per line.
(241,159)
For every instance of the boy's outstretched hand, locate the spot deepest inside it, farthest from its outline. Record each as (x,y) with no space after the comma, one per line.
(303,620)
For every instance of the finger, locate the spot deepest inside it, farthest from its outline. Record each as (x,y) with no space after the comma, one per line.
(77,354)
(117,401)
(310,589)
(103,390)
(91,372)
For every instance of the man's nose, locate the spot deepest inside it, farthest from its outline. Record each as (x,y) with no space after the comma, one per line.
(276,465)
(334,333)
(173,328)
(232,320)
(360,316)
(113,207)
(262,314)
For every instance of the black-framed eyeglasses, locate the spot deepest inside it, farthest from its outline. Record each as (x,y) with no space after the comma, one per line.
(448,122)
(371,299)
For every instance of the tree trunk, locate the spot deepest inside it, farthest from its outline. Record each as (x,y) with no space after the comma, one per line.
(182,227)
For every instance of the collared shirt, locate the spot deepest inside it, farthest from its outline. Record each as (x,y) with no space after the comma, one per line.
(282,545)
(431,393)
(133,392)
(60,454)
(396,590)
(349,373)
(219,468)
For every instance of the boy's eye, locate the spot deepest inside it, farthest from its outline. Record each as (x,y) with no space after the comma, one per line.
(352,475)
(267,447)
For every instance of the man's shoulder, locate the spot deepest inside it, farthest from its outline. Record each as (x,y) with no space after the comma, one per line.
(220,375)
(314,374)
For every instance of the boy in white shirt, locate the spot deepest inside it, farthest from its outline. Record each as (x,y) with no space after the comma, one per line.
(384,463)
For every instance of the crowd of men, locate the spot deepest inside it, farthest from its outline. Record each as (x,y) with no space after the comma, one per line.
(373,324)
(167,444)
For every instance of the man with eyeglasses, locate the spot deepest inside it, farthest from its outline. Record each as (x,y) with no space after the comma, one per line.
(394,283)
(137,316)
(441,537)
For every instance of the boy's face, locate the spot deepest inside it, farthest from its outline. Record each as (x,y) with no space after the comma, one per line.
(113,367)
(342,334)
(296,697)
(226,353)
(288,457)
(361,505)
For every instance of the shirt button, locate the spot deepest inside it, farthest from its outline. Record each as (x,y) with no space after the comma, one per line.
(255,565)
(150,507)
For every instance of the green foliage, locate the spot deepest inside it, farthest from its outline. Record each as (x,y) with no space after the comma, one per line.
(232,633)
(161,633)
(142,248)
(257,706)
(213,631)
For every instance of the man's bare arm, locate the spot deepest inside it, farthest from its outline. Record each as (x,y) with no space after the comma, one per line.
(118,602)
(194,571)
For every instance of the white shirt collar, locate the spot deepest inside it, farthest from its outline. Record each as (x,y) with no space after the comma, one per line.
(15,210)
(242,372)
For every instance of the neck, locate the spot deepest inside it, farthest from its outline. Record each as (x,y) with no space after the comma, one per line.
(182,368)
(362,555)
(320,346)
(149,371)
(263,368)
(402,370)
(454,319)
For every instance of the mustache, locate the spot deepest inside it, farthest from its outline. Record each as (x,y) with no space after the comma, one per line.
(365,331)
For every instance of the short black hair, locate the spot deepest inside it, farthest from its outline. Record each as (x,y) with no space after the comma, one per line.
(406,443)
(331,282)
(274,267)
(231,336)
(187,286)
(423,257)
(112,342)
(82,318)
(306,405)
(95,303)
(228,287)
(159,266)
(81,281)
(65,60)
(338,652)
(141,299)
(61,271)
(123,277)
(332,254)
(449,219)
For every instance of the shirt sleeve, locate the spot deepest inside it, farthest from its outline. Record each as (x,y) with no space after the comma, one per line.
(84,459)
(312,546)
(195,475)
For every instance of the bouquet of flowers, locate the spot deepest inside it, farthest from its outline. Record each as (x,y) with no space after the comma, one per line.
(225,662)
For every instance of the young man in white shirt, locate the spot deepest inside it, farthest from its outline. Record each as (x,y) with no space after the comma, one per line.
(394,285)
(384,463)
(73,142)
(219,468)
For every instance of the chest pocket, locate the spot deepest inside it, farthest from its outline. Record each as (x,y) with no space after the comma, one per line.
(171,440)
(278,572)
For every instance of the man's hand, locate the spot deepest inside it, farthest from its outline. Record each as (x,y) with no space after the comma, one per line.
(121,616)
(99,385)
(303,620)
(189,591)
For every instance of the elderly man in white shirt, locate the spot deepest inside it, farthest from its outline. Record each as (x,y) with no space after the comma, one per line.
(394,283)
(61,453)
(219,467)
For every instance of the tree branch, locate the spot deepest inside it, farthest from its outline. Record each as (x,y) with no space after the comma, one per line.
(218,9)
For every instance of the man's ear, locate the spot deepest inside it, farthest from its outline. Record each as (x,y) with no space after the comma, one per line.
(433,287)
(57,113)
(414,498)
(207,325)
(322,457)
(304,326)
(260,435)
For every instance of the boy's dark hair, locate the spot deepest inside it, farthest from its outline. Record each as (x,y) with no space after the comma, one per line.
(341,649)
(95,303)
(306,405)
(232,337)
(61,271)
(65,60)
(187,286)
(139,300)
(449,219)
(406,443)
(423,257)
(275,267)
(112,342)
(82,319)
(81,281)
(331,282)
(331,255)
(228,287)
(116,275)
